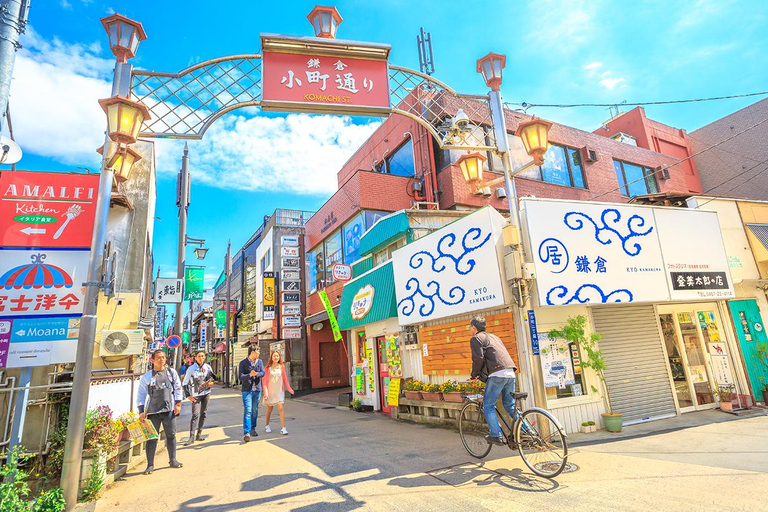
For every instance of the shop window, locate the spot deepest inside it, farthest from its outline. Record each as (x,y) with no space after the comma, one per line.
(561,368)
(372,217)
(386,253)
(399,163)
(635,180)
(352,231)
(266,260)
(562,166)
(333,255)
(316,263)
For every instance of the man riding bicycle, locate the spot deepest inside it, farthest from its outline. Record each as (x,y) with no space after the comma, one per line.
(492,364)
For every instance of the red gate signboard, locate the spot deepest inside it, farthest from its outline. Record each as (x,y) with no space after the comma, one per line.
(335,77)
(45,209)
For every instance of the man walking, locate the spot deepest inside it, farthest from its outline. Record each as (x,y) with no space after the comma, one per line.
(251,371)
(159,401)
(198,382)
(492,363)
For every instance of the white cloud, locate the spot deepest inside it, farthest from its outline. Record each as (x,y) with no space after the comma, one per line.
(56,114)
(65,5)
(593,65)
(300,152)
(54,97)
(610,82)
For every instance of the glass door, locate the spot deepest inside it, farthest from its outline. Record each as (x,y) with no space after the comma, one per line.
(669,330)
(693,343)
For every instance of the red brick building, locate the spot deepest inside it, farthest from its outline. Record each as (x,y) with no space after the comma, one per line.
(401,166)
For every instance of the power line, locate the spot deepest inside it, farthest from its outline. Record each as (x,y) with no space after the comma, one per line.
(758,173)
(637,104)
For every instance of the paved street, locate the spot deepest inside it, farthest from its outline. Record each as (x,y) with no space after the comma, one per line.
(341,460)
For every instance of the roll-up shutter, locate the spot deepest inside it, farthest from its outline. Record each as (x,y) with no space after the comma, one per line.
(636,370)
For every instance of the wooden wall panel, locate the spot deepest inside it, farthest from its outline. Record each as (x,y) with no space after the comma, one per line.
(448,344)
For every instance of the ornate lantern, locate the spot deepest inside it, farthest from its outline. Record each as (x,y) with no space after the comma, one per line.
(124,118)
(124,36)
(535,136)
(490,66)
(471,166)
(325,20)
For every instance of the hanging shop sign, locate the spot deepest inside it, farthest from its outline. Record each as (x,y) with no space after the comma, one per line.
(291,275)
(232,305)
(362,302)
(46,209)
(203,334)
(342,272)
(608,253)
(159,323)
(452,271)
(290,297)
(291,321)
(291,309)
(194,278)
(221,319)
(331,316)
(291,334)
(291,262)
(290,252)
(289,241)
(169,290)
(268,296)
(38,341)
(290,286)
(42,282)
(332,77)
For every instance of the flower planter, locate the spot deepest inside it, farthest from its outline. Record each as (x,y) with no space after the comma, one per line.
(613,421)
(432,397)
(585,429)
(726,406)
(92,458)
(413,395)
(745,401)
(453,396)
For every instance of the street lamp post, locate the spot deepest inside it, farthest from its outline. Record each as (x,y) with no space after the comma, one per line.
(534,135)
(124,119)
(182,201)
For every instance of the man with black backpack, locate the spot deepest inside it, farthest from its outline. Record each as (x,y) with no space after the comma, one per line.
(492,364)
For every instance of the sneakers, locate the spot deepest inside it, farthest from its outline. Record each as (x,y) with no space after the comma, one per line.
(190,440)
(246,438)
(254,433)
(494,440)
(268,429)
(284,431)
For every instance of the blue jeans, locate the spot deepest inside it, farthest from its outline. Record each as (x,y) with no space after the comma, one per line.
(250,410)
(493,388)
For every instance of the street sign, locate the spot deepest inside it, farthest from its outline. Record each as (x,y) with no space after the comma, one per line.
(534,332)
(342,272)
(173,340)
(168,290)
(42,282)
(47,209)
(193,283)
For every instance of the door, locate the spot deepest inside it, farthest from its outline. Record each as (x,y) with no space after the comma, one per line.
(381,350)
(750,330)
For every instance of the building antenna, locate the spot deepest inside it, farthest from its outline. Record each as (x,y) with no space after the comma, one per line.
(426,58)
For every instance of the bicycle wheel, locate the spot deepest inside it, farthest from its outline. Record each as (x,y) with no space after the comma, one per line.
(473,429)
(541,443)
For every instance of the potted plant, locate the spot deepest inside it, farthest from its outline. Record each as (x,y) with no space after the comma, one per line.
(591,357)
(592,426)
(585,429)
(725,395)
(413,389)
(431,392)
(356,405)
(450,391)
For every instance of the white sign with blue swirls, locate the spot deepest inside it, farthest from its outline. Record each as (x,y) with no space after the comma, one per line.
(453,271)
(613,253)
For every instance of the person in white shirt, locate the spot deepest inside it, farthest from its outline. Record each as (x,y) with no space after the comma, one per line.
(198,381)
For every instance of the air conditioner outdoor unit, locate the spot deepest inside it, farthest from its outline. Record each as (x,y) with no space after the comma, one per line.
(121,342)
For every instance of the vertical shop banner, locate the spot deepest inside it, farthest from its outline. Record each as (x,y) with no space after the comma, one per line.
(268,296)
(203,334)
(607,253)
(194,278)
(45,209)
(393,393)
(331,316)
(534,332)
(359,380)
(160,323)
(221,319)
(371,372)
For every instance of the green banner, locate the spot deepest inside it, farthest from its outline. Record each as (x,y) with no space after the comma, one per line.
(185,337)
(221,319)
(331,316)
(194,278)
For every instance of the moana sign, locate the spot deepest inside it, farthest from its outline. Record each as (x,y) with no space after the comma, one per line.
(335,77)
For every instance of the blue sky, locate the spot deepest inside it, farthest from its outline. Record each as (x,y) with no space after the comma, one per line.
(596,51)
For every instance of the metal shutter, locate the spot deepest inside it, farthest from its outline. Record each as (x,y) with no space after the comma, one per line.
(636,372)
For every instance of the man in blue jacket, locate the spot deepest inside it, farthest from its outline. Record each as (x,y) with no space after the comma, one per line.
(159,401)
(251,371)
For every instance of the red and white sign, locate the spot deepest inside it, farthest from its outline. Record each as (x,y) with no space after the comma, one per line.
(46,209)
(342,272)
(322,83)
(291,333)
(42,282)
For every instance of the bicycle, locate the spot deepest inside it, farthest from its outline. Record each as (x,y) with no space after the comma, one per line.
(537,435)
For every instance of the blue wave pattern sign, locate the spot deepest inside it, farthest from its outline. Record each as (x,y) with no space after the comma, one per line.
(452,271)
(587,253)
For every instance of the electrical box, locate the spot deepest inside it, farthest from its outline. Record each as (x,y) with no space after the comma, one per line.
(510,235)
(513,266)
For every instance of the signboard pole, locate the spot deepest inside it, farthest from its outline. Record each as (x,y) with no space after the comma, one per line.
(73,446)
(228,270)
(20,408)
(182,201)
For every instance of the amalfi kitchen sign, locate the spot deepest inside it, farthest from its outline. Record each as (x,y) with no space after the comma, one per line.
(598,253)
(307,74)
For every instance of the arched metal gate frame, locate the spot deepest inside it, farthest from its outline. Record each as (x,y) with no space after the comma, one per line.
(184,105)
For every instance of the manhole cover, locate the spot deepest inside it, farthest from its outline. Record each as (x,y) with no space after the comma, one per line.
(552,466)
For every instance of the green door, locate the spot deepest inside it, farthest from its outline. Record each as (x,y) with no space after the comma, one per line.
(751,331)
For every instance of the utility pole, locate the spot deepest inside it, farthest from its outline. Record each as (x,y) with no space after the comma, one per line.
(182,201)
(228,275)
(13,22)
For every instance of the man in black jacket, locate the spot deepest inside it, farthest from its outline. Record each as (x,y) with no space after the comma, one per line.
(251,371)
(492,363)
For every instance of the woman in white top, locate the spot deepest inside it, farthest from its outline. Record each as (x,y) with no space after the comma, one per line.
(274,391)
